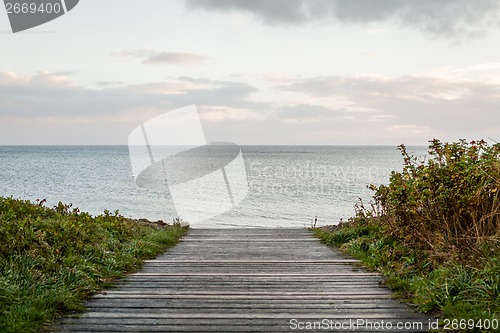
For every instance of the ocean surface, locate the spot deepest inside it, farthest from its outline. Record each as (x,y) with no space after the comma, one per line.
(288,186)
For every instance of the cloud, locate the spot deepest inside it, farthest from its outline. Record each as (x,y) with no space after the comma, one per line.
(409,130)
(31,112)
(41,79)
(444,18)
(271,12)
(307,112)
(152,57)
(424,103)
(108,83)
(53,94)
(373,89)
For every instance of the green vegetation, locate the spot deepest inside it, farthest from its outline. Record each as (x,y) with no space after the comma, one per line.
(434,231)
(53,258)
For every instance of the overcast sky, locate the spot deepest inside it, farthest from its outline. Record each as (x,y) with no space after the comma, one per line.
(262,71)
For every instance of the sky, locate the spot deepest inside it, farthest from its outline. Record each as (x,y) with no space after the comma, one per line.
(272,72)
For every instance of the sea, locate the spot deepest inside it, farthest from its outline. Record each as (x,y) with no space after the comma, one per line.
(285,186)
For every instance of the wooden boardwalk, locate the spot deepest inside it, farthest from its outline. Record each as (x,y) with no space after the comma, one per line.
(246,280)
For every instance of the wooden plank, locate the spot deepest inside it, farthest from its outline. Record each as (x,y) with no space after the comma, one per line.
(120,304)
(262,240)
(309,262)
(228,316)
(258,293)
(267,326)
(256,274)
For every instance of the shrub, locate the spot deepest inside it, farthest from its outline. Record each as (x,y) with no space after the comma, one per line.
(450,203)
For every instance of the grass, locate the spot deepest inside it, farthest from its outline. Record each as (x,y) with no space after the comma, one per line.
(53,258)
(448,289)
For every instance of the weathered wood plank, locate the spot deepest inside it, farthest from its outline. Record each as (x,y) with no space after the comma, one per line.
(256,274)
(272,262)
(177,293)
(131,319)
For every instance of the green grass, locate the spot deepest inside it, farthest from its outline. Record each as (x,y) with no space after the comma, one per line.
(53,258)
(447,287)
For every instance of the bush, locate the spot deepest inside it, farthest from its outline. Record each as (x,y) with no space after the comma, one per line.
(449,204)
